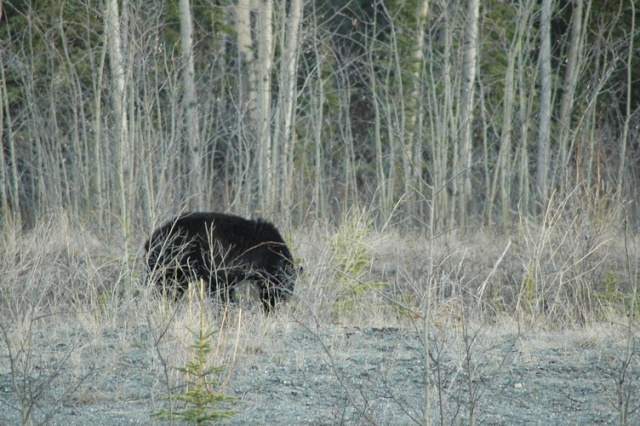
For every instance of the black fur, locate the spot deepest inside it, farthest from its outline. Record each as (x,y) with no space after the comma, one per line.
(223,250)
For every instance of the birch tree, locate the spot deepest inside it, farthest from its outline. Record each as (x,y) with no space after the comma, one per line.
(194,170)
(441,120)
(119,100)
(466,115)
(244,39)
(569,88)
(416,98)
(262,75)
(290,44)
(544,123)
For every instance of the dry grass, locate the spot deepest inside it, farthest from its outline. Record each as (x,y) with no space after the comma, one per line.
(63,289)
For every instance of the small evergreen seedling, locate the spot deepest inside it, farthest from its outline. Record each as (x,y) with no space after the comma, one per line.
(200,397)
(351,261)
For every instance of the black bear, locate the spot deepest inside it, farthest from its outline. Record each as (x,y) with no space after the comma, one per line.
(222,250)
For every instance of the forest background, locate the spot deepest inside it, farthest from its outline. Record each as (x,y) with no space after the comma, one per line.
(433,113)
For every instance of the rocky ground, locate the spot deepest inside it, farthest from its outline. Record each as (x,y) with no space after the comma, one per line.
(335,374)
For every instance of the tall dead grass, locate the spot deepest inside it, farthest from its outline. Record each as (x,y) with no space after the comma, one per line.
(64,290)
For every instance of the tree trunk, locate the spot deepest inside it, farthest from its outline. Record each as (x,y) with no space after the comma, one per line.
(416,99)
(545,102)
(466,116)
(441,122)
(118,96)
(286,102)
(625,130)
(524,113)
(194,162)
(246,57)
(568,91)
(262,76)
(9,178)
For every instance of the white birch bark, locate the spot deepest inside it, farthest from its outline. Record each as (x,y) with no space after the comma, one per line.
(286,102)
(195,157)
(118,96)
(242,27)
(262,75)
(466,116)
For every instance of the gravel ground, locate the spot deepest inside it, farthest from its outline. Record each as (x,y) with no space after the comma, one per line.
(347,375)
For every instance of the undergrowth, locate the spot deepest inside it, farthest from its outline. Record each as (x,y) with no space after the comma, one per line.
(559,272)
(201,396)
(351,263)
